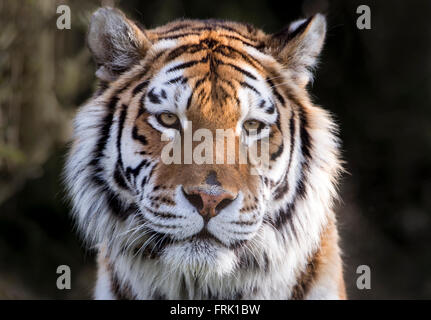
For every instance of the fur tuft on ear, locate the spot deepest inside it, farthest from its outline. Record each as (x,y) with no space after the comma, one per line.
(115,42)
(298,46)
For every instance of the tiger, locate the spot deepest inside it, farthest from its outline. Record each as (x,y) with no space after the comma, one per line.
(214,230)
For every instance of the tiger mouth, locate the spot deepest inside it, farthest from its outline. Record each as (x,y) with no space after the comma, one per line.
(163,241)
(204,235)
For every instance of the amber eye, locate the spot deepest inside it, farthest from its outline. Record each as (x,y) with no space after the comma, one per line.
(253,126)
(168,119)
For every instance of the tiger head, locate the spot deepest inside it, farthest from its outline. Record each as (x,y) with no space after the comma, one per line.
(155,168)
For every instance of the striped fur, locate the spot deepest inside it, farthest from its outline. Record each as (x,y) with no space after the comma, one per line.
(277,239)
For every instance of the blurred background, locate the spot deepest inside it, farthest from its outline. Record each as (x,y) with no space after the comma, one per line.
(377,82)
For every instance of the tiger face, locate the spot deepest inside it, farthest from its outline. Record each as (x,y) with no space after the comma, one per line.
(203,85)
(141,179)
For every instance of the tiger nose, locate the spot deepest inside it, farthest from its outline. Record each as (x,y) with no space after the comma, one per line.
(209,202)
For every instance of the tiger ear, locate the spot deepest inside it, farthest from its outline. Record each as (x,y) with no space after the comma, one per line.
(115,42)
(298,45)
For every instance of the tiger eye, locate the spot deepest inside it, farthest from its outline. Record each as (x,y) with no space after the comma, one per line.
(168,119)
(253,125)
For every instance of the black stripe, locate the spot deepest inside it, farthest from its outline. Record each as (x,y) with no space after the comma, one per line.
(246,58)
(284,187)
(187,48)
(140,87)
(163,93)
(249,86)
(245,223)
(139,137)
(135,171)
(278,153)
(306,152)
(292,138)
(181,35)
(241,40)
(165,215)
(144,182)
(141,109)
(154,98)
(275,91)
(277,123)
(224,93)
(199,82)
(305,136)
(214,26)
(107,122)
(176,80)
(189,101)
(103,138)
(235,31)
(300,191)
(246,40)
(187,64)
(201,94)
(244,72)
(121,121)
(176,28)
(283,216)
(228,83)
(119,177)
(119,169)
(152,171)
(234,92)
(270,109)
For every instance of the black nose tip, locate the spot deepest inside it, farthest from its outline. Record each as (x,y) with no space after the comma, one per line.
(207,202)
(211,179)
(194,199)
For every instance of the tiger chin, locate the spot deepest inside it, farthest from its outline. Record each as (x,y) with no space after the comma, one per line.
(206,229)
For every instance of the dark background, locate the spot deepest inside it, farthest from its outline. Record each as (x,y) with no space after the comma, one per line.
(376,82)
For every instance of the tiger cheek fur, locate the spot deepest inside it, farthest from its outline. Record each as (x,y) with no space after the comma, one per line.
(211,230)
